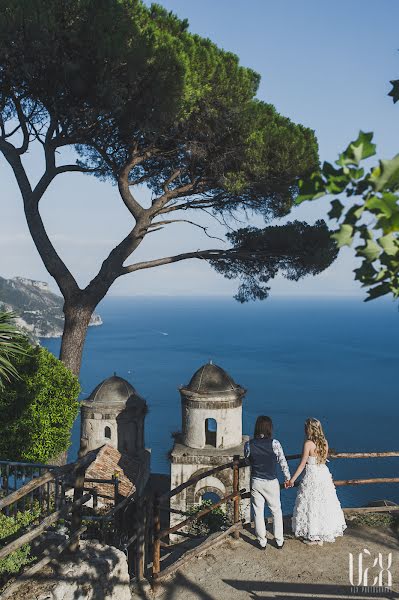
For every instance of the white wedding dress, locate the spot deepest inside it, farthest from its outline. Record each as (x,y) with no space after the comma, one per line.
(317,512)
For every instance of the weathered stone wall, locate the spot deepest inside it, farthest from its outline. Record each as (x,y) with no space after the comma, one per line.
(93,424)
(228,419)
(125,428)
(220,483)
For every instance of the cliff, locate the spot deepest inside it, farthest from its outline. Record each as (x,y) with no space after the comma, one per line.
(39,310)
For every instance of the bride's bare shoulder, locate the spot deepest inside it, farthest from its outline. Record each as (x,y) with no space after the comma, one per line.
(309,445)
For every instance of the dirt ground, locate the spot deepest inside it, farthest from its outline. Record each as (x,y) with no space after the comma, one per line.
(239,570)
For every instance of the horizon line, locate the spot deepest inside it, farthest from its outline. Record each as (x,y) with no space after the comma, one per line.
(230,296)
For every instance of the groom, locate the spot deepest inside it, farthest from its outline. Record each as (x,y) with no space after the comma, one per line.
(263,453)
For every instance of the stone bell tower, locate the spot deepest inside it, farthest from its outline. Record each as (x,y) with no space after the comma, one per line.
(211,435)
(113,416)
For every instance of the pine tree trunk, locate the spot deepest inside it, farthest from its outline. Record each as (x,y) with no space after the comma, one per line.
(77,318)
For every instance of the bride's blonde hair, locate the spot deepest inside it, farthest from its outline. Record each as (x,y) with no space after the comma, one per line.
(314,432)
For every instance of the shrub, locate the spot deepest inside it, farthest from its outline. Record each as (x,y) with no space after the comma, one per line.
(209,523)
(375,520)
(39,409)
(10,526)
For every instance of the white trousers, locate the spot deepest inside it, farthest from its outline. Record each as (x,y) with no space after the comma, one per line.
(267,490)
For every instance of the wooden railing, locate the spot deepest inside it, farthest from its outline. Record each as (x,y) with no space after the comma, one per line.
(34,488)
(140,528)
(159,534)
(50,492)
(57,507)
(14,475)
(352,455)
(235,497)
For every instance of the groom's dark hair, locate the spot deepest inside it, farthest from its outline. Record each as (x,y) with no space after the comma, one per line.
(263,427)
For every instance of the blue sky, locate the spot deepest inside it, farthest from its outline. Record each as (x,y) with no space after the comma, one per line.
(324,64)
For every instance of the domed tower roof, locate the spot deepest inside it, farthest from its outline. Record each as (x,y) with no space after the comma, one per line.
(114,390)
(211,380)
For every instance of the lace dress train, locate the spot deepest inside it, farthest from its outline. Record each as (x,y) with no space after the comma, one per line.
(317,512)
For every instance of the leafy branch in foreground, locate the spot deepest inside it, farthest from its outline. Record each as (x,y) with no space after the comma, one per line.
(372,218)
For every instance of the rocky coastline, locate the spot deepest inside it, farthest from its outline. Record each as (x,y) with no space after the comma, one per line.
(39,310)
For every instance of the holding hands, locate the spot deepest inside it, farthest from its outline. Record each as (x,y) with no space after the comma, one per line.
(288,483)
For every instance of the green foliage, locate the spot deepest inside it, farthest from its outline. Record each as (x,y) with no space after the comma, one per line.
(395,90)
(9,526)
(375,520)
(295,249)
(148,87)
(38,410)
(377,201)
(235,147)
(11,347)
(145,101)
(209,523)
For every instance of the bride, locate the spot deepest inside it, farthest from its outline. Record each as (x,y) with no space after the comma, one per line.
(317,516)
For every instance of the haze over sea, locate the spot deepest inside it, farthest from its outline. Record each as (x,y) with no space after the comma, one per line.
(334,359)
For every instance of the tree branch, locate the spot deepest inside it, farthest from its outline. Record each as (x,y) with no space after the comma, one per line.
(157,224)
(74,169)
(110,164)
(13,158)
(49,148)
(171,180)
(212,254)
(221,221)
(10,133)
(197,203)
(22,120)
(185,206)
(62,138)
(112,266)
(160,202)
(139,180)
(51,173)
(52,261)
(2,127)
(124,188)
(204,255)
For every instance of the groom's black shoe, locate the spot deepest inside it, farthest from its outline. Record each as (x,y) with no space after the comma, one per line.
(262,547)
(278,546)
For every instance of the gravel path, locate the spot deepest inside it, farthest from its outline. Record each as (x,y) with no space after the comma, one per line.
(239,570)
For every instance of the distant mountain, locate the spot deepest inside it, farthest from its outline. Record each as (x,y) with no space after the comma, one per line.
(39,310)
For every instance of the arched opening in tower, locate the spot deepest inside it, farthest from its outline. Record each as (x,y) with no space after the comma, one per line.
(212,496)
(210,432)
(107,432)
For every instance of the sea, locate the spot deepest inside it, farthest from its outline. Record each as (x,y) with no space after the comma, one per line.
(333,359)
